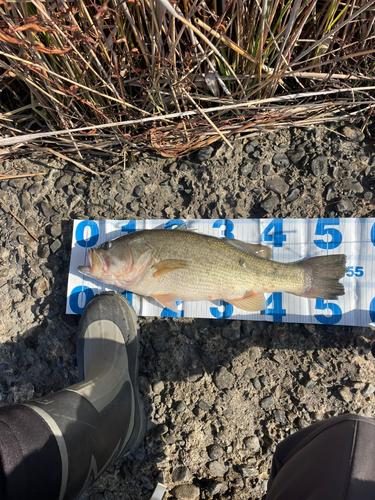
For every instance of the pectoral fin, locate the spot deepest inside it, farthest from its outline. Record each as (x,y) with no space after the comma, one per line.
(252,302)
(257,250)
(165,266)
(167,300)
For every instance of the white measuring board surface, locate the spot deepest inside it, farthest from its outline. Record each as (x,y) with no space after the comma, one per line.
(290,239)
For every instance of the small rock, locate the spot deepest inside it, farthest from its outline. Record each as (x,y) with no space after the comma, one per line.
(368,390)
(44,251)
(256,383)
(186,492)
(181,406)
(223,379)
(353,133)
(47,210)
(249,148)
(55,230)
(63,181)
(39,287)
(215,451)
(25,201)
(246,169)
(280,416)
(181,474)
(296,155)
(248,471)
(55,246)
(252,443)
(270,203)
(368,195)
(345,206)
(277,185)
(119,197)
(205,153)
(293,195)
(280,160)
(319,166)
(217,468)
(214,488)
(267,402)
(345,394)
(134,206)
(232,331)
(147,483)
(158,387)
(352,185)
(139,191)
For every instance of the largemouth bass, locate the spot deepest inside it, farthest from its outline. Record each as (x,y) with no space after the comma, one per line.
(179,264)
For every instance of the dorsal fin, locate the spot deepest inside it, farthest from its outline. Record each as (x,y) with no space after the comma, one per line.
(250,248)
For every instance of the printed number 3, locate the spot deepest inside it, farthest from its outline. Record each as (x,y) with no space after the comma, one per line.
(322,230)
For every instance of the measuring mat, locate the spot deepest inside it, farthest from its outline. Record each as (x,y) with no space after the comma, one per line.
(290,239)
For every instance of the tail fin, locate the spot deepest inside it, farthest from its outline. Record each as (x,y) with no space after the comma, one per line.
(323,275)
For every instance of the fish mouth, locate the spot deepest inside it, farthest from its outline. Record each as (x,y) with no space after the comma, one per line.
(95,264)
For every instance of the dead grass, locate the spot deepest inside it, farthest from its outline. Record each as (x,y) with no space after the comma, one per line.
(175,76)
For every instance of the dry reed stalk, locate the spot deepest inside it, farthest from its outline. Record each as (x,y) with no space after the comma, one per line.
(140,69)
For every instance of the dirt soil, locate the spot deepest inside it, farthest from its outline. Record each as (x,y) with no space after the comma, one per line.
(219,394)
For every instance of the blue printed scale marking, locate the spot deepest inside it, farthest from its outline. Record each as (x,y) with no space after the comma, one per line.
(293,239)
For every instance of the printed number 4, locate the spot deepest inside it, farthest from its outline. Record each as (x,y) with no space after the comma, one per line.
(355,271)
(277,310)
(277,237)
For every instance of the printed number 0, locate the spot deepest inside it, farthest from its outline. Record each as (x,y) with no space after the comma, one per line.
(80,294)
(373,234)
(80,233)
(322,230)
(335,317)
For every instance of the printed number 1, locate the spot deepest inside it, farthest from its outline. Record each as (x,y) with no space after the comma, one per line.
(277,237)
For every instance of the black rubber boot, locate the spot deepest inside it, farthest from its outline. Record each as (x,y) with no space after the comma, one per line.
(101,418)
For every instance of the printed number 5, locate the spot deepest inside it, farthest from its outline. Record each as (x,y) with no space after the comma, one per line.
(335,309)
(355,271)
(322,230)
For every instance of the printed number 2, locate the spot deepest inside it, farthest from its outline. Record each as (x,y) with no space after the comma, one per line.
(322,230)
(277,310)
(321,305)
(355,271)
(277,237)
(167,313)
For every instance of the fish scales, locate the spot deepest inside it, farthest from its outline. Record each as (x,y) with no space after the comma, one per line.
(214,263)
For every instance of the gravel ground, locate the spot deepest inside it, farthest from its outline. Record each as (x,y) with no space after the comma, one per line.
(219,394)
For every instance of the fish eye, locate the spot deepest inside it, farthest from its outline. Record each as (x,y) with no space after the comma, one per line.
(107,245)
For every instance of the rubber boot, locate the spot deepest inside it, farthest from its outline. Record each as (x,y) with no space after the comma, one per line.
(101,418)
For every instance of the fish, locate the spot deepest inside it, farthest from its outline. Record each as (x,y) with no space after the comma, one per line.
(180,264)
